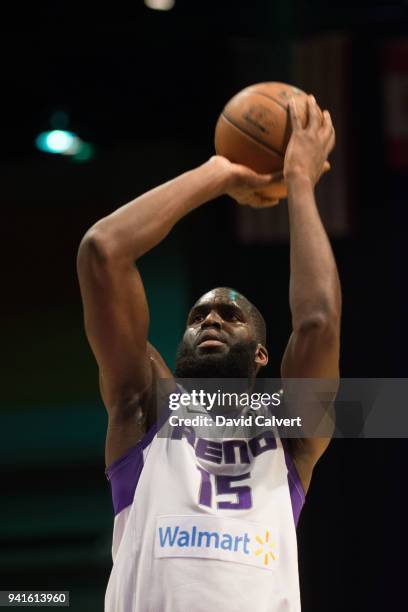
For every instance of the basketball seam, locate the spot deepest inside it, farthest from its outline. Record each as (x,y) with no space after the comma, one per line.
(251,136)
(261,93)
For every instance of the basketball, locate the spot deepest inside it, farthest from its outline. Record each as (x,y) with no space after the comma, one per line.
(254,129)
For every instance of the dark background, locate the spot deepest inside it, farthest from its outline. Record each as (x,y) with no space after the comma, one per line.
(146,88)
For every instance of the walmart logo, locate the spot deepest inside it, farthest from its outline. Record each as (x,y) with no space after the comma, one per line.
(195,538)
(266,548)
(216,538)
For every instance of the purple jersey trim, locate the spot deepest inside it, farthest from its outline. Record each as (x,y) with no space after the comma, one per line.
(124,473)
(297,494)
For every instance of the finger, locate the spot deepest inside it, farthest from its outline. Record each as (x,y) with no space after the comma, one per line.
(327,120)
(294,117)
(260,200)
(254,201)
(327,128)
(260,180)
(313,112)
(332,141)
(257,181)
(328,132)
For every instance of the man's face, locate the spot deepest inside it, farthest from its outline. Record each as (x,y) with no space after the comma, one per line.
(219,340)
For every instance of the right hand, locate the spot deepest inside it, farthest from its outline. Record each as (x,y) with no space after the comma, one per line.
(308,147)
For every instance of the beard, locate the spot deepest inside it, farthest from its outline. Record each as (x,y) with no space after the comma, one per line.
(238,362)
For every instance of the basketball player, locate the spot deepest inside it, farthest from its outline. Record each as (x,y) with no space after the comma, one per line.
(203,525)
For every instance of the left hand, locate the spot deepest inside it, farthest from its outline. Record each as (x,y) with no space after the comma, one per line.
(244,185)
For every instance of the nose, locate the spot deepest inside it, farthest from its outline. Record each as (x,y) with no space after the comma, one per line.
(212,319)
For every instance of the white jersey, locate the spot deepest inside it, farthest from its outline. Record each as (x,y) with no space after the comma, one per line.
(203,525)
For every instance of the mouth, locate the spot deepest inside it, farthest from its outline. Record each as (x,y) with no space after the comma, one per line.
(210,339)
(210,343)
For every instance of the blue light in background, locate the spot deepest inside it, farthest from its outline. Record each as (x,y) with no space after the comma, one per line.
(64,142)
(58,141)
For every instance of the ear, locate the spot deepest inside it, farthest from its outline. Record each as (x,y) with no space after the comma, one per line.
(261,356)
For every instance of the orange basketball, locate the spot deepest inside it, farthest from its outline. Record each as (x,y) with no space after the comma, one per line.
(254,128)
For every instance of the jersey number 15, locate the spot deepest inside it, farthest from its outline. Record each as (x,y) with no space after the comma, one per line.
(224,485)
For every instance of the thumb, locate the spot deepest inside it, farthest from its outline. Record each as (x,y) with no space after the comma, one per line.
(264,180)
(277,176)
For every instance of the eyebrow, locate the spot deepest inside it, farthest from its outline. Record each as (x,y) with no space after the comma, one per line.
(226,306)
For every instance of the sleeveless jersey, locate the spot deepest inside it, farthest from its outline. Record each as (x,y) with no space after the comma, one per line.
(204,524)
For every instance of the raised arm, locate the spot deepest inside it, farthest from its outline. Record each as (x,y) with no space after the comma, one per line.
(115,307)
(314,293)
